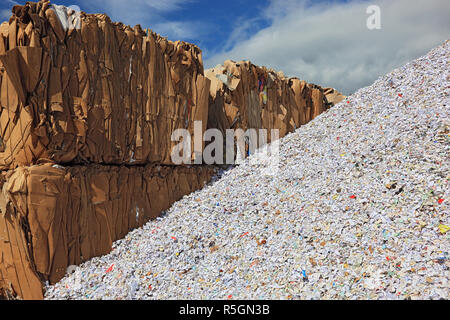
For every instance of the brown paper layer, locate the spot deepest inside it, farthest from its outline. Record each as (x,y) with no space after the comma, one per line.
(52,217)
(333,96)
(243,95)
(104,93)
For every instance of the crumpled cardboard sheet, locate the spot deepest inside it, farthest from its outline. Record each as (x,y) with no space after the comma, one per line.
(104,93)
(52,216)
(243,95)
(333,96)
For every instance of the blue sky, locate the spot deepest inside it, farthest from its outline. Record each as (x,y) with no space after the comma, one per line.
(209,24)
(324,42)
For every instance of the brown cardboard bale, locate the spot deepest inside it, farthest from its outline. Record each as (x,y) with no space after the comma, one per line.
(102,93)
(245,96)
(333,96)
(318,100)
(52,217)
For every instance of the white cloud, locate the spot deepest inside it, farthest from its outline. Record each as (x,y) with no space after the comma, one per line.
(176,30)
(329,44)
(136,7)
(241,31)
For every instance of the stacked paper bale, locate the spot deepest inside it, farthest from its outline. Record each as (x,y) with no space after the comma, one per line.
(359,209)
(99,92)
(243,95)
(88,107)
(53,217)
(80,98)
(333,96)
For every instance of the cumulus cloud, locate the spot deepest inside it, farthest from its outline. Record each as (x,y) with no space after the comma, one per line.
(330,44)
(174,30)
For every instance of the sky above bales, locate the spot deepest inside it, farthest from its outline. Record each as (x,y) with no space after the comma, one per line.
(324,42)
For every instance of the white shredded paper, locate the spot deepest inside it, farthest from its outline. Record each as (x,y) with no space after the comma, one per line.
(358,210)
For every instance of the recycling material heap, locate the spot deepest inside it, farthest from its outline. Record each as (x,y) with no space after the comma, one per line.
(246,96)
(88,107)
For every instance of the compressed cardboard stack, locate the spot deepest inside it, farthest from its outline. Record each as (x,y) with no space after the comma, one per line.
(99,92)
(82,92)
(88,108)
(245,96)
(52,216)
(333,96)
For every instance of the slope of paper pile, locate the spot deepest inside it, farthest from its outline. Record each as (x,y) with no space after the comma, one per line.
(358,210)
(81,98)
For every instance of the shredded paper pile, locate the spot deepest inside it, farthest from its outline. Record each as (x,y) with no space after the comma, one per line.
(359,209)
